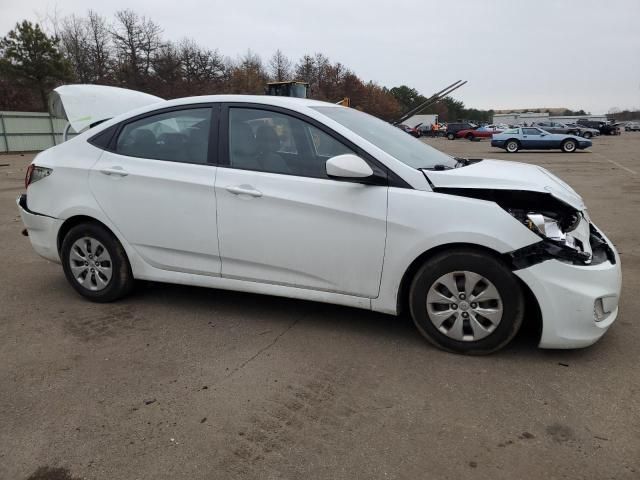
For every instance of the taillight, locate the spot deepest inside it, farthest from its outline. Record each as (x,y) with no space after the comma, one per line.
(35,173)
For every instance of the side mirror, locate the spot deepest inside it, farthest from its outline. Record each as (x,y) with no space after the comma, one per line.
(348,166)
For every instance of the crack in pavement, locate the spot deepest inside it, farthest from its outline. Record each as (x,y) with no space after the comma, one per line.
(262,350)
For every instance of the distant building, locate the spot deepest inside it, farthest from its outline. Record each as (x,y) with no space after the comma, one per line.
(521,118)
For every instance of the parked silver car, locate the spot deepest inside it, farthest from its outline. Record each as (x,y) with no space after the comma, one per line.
(557,127)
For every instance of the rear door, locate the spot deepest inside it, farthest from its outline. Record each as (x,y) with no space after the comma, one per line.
(155,183)
(281,220)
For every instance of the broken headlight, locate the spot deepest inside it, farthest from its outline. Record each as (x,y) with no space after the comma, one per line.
(572,232)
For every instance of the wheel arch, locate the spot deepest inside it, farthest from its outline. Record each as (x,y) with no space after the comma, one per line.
(532,323)
(75,220)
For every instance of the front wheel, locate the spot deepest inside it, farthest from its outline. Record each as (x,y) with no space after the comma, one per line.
(470,137)
(95,263)
(466,301)
(451,136)
(587,135)
(569,146)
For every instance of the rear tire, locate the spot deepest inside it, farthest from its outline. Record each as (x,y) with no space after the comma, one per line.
(512,146)
(470,137)
(587,135)
(474,328)
(95,263)
(569,146)
(451,136)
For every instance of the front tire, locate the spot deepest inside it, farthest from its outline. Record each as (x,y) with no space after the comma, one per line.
(466,301)
(587,135)
(95,263)
(451,136)
(470,137)
(569,146)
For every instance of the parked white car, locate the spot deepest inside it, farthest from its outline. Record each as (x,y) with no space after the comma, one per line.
(306,199)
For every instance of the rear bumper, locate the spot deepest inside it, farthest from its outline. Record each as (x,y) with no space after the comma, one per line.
(571,299)
(497,143)
(43,230)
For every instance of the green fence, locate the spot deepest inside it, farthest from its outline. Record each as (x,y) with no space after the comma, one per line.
(30,131)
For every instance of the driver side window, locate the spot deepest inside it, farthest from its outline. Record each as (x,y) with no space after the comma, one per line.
(530,131)
(268,141)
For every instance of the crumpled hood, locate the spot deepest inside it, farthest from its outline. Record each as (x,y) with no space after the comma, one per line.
(505,175)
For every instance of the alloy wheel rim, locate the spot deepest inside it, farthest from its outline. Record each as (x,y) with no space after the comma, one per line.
(570,146)
(511,147)
(90,264)
(464,306)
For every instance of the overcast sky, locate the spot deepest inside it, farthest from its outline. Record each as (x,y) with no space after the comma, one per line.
(515,54)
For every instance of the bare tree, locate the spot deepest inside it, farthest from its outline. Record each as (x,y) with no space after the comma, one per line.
(280,67)
(306,69)
(248,75)
(136,39)
(100,48)
(74,44)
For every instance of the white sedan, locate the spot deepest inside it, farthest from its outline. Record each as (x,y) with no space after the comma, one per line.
(306,199)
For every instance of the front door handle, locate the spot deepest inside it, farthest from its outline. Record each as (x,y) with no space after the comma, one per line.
(244,190)
(117,171)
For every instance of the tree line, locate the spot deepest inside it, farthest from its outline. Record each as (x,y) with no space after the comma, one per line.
(129,51)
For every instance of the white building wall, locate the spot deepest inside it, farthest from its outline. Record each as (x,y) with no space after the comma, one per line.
(427,119)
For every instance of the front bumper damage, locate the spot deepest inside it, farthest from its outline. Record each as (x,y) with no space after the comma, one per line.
(578,300)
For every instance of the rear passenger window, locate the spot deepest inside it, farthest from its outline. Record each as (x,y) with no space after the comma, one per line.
(177,136)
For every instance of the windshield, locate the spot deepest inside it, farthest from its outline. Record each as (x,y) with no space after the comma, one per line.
(388,138)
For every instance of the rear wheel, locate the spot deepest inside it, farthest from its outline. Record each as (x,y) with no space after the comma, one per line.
(512,146)
(470,136)
(569,146)
(587,135)
(95,263)
(451,136)
(466,301)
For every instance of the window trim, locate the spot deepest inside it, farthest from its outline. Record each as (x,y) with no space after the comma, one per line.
(382,174)
(214,121)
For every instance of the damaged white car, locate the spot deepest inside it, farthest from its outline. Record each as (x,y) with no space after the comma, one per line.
(310,200)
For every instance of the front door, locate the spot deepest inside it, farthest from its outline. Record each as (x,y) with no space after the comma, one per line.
(281,220)
(156,187)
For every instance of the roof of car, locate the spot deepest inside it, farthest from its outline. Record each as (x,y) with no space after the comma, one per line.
(265,99)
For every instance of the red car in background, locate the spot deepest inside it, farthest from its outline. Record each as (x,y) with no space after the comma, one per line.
(410,130)
(480,132)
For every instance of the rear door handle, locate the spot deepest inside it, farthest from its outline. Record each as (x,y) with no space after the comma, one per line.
(244,190)
(117,171)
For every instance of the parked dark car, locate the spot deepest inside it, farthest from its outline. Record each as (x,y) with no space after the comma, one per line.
(585,132)
(605,128)
(454,127)
(410,130)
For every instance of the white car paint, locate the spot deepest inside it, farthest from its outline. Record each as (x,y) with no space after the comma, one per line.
(318,239)
(83,105)
(512,176)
